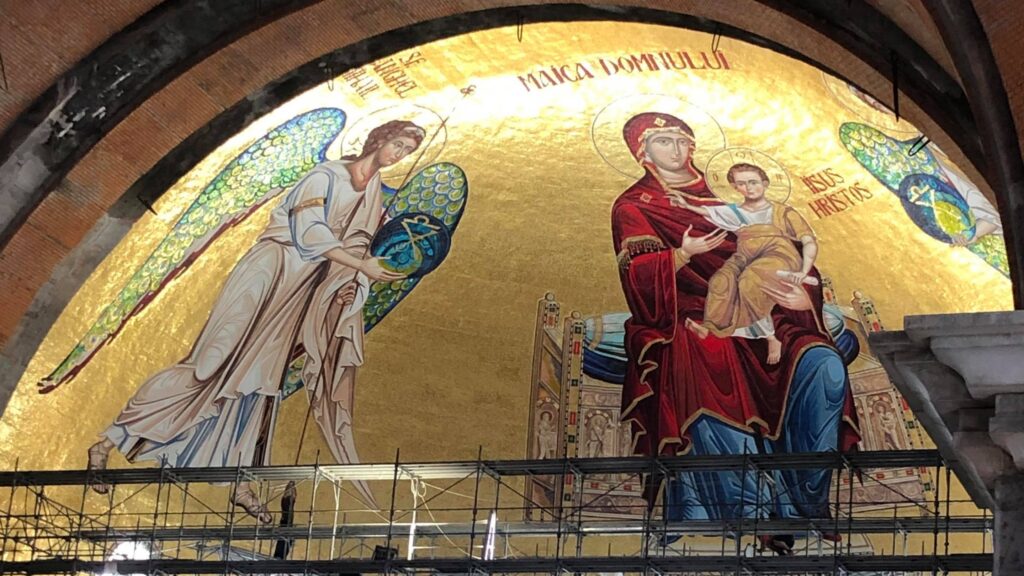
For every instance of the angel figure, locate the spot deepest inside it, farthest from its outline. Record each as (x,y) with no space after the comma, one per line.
(766,233)
(302,285)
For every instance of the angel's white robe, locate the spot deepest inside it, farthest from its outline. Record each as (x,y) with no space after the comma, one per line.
(217,406)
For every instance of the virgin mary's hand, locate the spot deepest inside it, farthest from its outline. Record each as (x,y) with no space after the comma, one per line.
(676,199)
(791,296)
(691,245)
(374,271)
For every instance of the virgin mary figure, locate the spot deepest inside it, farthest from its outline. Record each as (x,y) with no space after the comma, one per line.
(687,395)
(300,287)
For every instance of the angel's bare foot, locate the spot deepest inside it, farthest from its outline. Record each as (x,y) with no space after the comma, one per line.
(774,350)
(46,385)
(246,499)
(98,454)
(697,329)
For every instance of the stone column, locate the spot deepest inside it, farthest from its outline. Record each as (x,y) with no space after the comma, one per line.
(963,375)
(1009,525)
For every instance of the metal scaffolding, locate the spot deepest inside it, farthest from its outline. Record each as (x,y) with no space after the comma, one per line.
(472,516)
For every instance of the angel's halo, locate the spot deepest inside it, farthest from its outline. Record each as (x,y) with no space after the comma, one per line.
(716,173)
(865,107)
(606,129)
(433,143)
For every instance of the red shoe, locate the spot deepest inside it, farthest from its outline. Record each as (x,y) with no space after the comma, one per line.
(781,544)
(832,537)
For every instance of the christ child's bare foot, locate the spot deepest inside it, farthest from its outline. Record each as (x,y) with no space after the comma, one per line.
(246,499)
(697,328)
(98,455)
(774,350)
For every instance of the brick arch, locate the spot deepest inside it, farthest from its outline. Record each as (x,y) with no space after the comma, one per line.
(74,198)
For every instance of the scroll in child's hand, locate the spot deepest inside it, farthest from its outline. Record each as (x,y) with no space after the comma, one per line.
(785,275)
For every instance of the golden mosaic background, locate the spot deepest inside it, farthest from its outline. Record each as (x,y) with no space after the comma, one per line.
(449,369)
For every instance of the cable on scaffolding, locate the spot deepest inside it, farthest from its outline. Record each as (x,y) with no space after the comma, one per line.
(4,85)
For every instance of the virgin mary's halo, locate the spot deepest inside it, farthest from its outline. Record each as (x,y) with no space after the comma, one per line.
(606,129)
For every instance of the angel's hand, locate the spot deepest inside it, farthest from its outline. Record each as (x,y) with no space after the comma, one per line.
(46,385)
(374,271)
(962,240)
(347,295)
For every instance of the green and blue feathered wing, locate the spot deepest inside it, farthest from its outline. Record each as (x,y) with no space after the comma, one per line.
(439,191)
(262,171)
(918,180)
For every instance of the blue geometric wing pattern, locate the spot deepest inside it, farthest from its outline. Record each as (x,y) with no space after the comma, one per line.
(439,190)
(262,171)
(929,198)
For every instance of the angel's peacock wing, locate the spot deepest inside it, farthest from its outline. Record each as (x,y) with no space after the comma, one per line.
(936,207)
(271,164)
(950,216)
(439,191)
(886,158)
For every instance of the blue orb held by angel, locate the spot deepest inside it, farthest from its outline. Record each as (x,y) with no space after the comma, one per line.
(938,209)
(413,244)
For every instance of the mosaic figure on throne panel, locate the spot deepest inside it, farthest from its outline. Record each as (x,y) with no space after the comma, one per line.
(889,425)
(547,433)
(595,424)
(603,432)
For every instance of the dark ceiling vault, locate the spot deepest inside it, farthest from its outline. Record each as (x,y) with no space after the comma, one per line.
(962,32)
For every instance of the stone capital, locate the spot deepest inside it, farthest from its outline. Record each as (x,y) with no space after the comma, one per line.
(963,375)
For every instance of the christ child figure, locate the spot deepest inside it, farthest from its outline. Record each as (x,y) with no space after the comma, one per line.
(767,234)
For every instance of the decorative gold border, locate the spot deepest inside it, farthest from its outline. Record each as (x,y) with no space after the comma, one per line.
(311,203)
(626,252)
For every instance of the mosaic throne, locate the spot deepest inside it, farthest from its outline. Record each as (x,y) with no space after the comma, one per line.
(578,368)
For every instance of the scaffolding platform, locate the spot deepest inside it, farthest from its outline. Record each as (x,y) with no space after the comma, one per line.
(832,564)
(493,468)
(473,517)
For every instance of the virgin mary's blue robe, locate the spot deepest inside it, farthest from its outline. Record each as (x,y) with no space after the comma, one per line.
(811,423)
